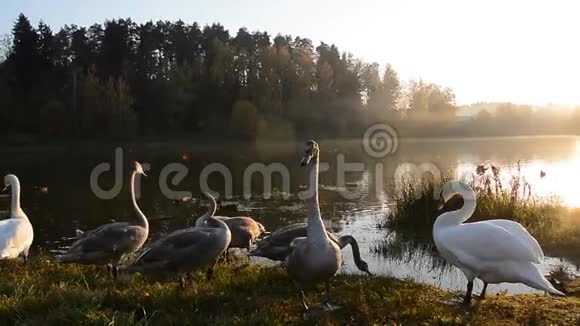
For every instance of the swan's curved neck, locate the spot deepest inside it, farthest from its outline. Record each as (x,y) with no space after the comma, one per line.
(16,210)
(461,215)
(202,220)
(347,239)
(315,231)
(140,216)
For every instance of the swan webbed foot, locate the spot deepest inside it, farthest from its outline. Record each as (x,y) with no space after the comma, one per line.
(327,305)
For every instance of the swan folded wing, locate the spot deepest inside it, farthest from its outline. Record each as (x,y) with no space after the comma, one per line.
(176,245)
(518,230)
(477,243)
(12,237)
(285,235)
(107,238)
(290,229)
(8,230)
(7,243)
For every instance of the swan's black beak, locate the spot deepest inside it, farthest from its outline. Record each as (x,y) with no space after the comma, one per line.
(305,160)
(369,273)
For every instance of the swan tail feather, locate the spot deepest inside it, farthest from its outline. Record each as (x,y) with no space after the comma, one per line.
(550,288)
(540,282)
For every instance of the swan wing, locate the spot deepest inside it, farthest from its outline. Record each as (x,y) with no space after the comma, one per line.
(8,229)
(285,235)
(178,243)
(13,237)
(107,238)
(475,244)
(518,230)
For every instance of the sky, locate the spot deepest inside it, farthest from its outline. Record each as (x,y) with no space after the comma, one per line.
(485,50)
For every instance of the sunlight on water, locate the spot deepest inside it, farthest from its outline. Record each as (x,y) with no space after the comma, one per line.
(558,179)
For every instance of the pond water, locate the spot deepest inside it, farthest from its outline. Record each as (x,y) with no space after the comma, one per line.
(355,205)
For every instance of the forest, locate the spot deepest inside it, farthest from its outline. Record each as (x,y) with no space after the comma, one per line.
(123,80)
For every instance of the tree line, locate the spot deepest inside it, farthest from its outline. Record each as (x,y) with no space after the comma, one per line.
(120,79)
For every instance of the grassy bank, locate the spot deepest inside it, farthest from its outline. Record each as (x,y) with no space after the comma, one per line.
(45,294)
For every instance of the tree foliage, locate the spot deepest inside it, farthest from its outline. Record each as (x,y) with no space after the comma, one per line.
(122,79)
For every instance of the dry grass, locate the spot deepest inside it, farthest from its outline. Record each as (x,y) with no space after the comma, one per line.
(47,294)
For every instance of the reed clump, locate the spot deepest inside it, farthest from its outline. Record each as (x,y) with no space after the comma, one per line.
(416,206)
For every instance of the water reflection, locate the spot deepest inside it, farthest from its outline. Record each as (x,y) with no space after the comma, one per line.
(69,202)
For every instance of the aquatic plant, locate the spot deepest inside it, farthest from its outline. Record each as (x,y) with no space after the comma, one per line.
(415,209)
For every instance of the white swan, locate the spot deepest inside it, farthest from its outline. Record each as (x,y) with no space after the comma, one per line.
(494,251)
(314,258)
(111,242)
(16,233)
(185,250)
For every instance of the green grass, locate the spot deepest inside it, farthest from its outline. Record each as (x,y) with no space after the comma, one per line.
(44,293)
